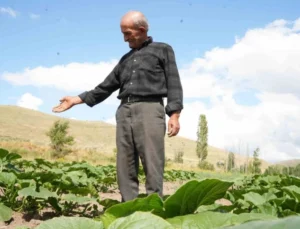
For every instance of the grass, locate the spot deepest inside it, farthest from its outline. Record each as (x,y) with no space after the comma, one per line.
(94,141)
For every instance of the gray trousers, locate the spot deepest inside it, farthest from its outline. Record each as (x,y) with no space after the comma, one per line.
(141,128)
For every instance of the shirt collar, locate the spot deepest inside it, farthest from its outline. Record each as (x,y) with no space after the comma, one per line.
(146,42)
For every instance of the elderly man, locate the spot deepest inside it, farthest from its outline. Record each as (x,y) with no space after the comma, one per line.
(144,75)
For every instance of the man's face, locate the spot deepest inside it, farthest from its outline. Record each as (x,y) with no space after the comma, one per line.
(133,35)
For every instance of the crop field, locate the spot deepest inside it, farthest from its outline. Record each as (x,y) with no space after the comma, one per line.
(74,195)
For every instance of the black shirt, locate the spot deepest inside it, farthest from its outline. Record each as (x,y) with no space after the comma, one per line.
(148,71)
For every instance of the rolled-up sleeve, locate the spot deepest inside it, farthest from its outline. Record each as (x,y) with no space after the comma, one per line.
(174,87)
(103,90)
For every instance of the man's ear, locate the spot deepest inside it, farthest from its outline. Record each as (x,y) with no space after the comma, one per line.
(142,29)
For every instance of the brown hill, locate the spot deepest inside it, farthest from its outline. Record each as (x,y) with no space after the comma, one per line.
(29,125)
(291,163)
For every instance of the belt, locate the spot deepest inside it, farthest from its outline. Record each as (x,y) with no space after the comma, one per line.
(136,99)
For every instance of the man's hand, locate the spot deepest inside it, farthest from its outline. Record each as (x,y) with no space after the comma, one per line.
(173,124)
(66,103)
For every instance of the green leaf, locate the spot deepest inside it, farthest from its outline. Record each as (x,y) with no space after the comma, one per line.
(7,178)
(43,193)
(107,203)
(268,209)
(210,220)
(290,180)
(3,153)
(41,162)
(254,198)
(291,204)
(13,156)
(291,222)
(5,213)
(78,199)
(193,194)
(204,208)
(288,212)
(152,202)
(70,222)
(139,220)
(293,191)
(271,179)
(54,202)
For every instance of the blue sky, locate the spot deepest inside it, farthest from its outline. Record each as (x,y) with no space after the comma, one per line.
(48,34)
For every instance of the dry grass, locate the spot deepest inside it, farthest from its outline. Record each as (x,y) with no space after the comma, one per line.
(94,141)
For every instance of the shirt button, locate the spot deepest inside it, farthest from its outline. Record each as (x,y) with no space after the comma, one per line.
(133,71)
(131,83)
(134,60)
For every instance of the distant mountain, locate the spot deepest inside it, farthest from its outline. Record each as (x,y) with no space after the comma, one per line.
(291,163)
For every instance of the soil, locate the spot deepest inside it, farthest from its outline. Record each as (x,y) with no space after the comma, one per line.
(31,221)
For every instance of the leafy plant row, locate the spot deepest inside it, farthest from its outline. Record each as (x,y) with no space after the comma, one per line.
(189,207)
(68,188)
(254,202)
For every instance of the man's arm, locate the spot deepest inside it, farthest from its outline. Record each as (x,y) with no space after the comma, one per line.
(93,97)
(66,103)
(174,94)
(103,90)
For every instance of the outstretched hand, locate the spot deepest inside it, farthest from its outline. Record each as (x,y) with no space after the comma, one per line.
(66,103)
(173,125)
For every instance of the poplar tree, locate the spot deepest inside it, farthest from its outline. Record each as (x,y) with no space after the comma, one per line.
(256,162)
(230,161)
(202,137)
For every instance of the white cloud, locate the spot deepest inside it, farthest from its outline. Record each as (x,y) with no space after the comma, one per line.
(8,11)
(29,101)
(71,77)
(296,26)
(272,125)
(34,16)
(111,120)
(265,60)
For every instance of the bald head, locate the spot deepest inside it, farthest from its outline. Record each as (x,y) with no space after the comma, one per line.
(136,19)
(134,27)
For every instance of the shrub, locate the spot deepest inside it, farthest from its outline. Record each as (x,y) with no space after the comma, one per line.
(205,165)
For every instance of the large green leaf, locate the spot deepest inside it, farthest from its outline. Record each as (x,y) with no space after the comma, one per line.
(266,208)
(291,204)
(43,193)
(254,198)
(152,202)
(290,180)
(5,213)
(3,153)
(257,199)
(7,178)
(194,193)
(270,179)
(70,223)
(13,156)
(291,222)
(139,220)
(210,220)
(293,191)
